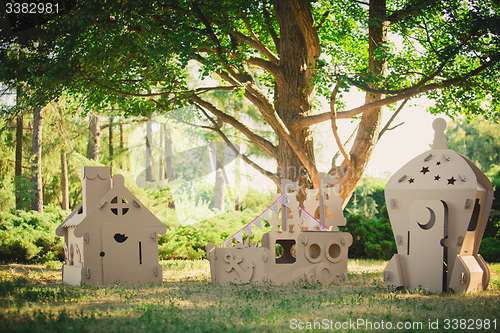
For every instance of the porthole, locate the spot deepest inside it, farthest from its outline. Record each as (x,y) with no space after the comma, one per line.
(314,252)
(334,252)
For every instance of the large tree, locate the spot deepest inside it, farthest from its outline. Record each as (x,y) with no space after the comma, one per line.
(280,55)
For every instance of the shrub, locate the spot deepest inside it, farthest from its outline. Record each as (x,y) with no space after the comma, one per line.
(29,237)
(189,242)
(372,239)
(367,198)
(490,249)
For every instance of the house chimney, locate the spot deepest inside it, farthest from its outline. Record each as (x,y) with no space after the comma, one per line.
(96,182)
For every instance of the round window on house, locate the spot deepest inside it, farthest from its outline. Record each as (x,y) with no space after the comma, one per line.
(119,207)
(334,252)
(314,252)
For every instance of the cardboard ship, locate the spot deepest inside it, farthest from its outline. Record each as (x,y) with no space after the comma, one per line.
(438,205)
(111,237)
(305,255)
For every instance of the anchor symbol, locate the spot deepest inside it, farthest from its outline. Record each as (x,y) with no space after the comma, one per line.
(234,263)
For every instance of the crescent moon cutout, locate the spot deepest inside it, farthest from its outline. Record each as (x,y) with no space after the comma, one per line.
(431,222)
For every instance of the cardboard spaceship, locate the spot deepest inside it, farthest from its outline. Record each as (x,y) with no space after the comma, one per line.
(290,252)
(438,205)
(111,237)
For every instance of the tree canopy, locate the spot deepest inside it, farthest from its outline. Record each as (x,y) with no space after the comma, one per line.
(479,141)
(280,55)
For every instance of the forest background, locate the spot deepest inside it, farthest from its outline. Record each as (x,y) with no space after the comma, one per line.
(196,207)
(109,83)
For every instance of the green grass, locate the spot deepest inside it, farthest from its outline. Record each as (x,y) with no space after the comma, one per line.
(33,299)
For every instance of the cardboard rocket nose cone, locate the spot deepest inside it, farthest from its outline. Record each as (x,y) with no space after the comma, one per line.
(438,205)
(439,125)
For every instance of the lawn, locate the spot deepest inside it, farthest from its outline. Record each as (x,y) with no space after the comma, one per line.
(33,299)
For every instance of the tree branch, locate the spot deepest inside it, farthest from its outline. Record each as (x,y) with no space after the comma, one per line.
(162,93)
(256,43)
(386,127)
(308,29)
(270,28)
(422,81)
(252,93)
(138,121)
(257,167)
(337,154)
(216,129)
(412,8)
(316,119)
(252,136)
(323,20)
(258,98)
(209,30)
(333,98)
(273,69)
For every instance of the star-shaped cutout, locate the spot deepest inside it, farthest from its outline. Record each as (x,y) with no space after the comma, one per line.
(424,170)
(411,180)
(438,163)
(438,177)
(451,181)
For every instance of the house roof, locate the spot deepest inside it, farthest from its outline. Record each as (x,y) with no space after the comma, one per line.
(72,220)
(120,203)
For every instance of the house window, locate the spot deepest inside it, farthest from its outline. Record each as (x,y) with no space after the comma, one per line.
(285,251)
(119,206)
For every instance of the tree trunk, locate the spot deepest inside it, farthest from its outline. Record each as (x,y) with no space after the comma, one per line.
(169,161)
(293,96)
(149,151)
(237,172)
(64,181)
(94,138)
(124,154)
(19,153)
(161,159)
(36,164)
(219,176)
(110,141)
(369,127)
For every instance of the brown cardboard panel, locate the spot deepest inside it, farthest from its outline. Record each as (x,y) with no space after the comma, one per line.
(467,276)
(241,264)
(486,270)
(308,256)
(439,175)
(427,261)
(393,274)
(112,237)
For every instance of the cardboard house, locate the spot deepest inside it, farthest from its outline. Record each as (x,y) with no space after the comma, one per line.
(293,250)
(111,237)
(438,205)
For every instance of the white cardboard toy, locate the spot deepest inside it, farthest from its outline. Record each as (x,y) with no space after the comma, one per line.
(111,237)
(438,205)
(307,255)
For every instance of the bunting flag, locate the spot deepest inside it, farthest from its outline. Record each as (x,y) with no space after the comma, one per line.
(257,222)
(282,199)
(248,229)
(275,208)
(312,223)
(239,236)
(266,216)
